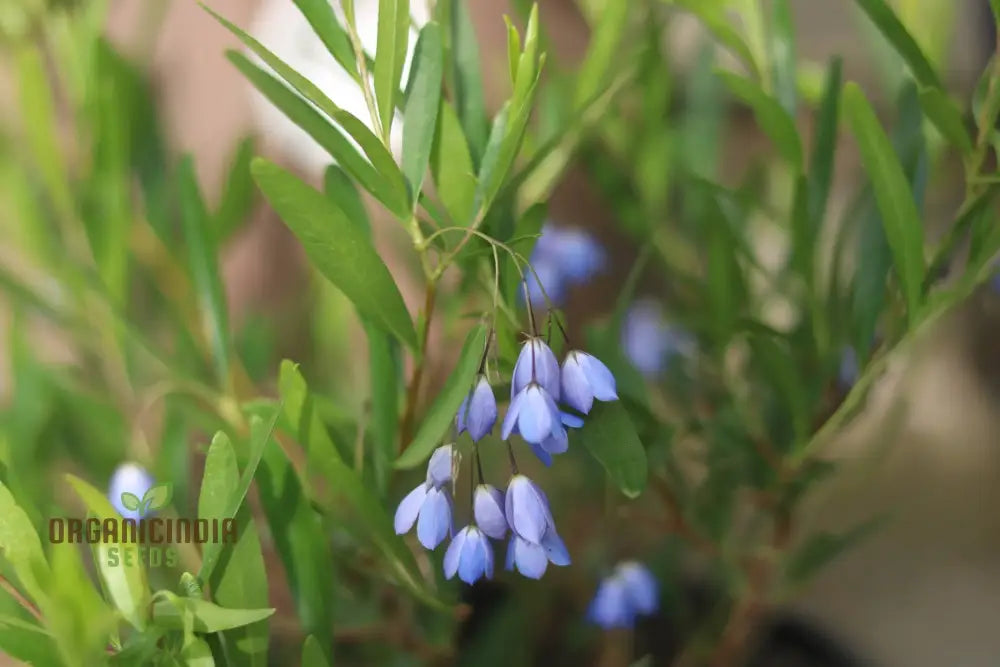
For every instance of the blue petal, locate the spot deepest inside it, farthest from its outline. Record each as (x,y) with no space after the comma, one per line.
(488,508)
(535,417)
(409,508)
(610,607)
(439,467)
(576,390)
(542,455)
(454,553)
(640,586)
(482,410)
(602,382)
(508,563)
(434,522)
(556,444)
(526,512)
(475,551)
(536,363)
(510,419)
(460,416)
(571,421)
(128,478)
(555,548)
(529,558)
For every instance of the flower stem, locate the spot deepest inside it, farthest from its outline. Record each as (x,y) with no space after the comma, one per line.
(413,391)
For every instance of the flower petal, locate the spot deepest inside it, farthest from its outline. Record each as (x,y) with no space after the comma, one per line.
(409,508)
(536,363)
(511,418)
(454,553)
(576,390)
(570,421)
(526,512)
(472,563)
(488,508)
(610,607)
(602,382)
(556,444)
(542,455)
(482,410)
(534,420)
(555,548)
(439,467)
(460,415)
(529,558)
(434,521)
(640,586)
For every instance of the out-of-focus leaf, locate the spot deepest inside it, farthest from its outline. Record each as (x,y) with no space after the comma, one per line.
(885,19)
(610,437)
(386,373)
(451,166)
(946,117)
(238,193)
(821,549)
(601,52)
(344,483)
(197,653)
(377,152)
(423,99)
(468,82)
(773,119)
(900,217)
(27,642)
(782,47)
(444,408)
(824,146)
(312,653)
(713,16)
(204,267)
(168,611)
(125,578)
(240,579)
(336,247)
(390,53)
(775,359)
(324,23)
(513,48)
(301,543)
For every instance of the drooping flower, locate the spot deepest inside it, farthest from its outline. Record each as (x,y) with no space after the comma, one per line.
(478,412)
(563,257)
(534,414)
(558,442)
(470,555)
(535,542)
(630,591)
(429,505)
(488,510)
(128,478)
(648,341)
(584,378)
(536,363)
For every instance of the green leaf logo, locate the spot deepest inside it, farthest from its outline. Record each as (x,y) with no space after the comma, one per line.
(130,501)
(155,498)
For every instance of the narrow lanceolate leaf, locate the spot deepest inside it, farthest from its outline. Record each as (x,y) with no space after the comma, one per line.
(240,579)
(600,56)
(947,118)
(337,186)
(423,97)
(377,152)
(386,373)
(451,166)
(900,217)
(20,546)
(773,119)
(782,48)
(169,611)
(336,247)
(124,578)
(824,145)
(237,194)
(610,437)
(821,549)
(390,53)
(885,19)
(468,80)
(324,23)
(442,412)
(204,266)
(347,489)
(312,653)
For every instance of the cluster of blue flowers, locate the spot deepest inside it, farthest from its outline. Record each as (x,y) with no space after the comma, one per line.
(563,257)
(629,592)
(539,387)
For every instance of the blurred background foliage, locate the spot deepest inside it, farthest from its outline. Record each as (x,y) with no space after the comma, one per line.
(736,177)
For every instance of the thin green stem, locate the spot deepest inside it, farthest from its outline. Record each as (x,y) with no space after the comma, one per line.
(359,54)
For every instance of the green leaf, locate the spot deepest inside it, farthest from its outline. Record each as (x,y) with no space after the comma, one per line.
(169,609)
(824,146)
(600,58)
(714,16)
(386,374)
(157,497)
(27,642)
(513,48)
(348,489)
(130,501)
(300,112)
(610,437)
(197,653)
(442,412)
(301,542)
(337,186)
(946,117)
(451,166)
(240,579)
(390,53)
(900,217)
(312,653)
(20,545)
(324,23)
(773,119)
(821,549)
(125,580)
(238,193)
(423,99)
(885,19)
(468,82)
(259,437)
(204,267)
(377,152)
(336,247)
(782,54)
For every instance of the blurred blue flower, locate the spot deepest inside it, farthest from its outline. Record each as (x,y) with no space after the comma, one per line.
(478,412)
(488,510)
(648,341)
(429,505)
(563,257)
(847,374)
(470,555)
(534,414)
(630,591)
(128,478)
(584,378)
(536,363)
(995,282)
